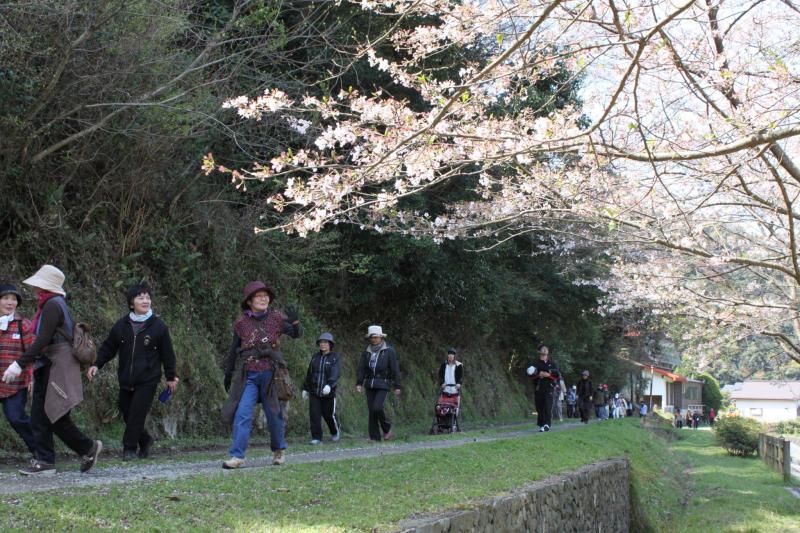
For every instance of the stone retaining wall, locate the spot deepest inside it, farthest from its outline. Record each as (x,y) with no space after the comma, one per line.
(592,499)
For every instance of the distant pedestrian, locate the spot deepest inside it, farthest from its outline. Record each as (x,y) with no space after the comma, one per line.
(451,373)
(15,337)
(558,400)
(689,419)
(711,417)
(584,393)
(643,409)
(57,385)
(572,401)
(253,359)
(144,346)
(378,372)
(696,419)
(600,403)
(319,388)
(545,375)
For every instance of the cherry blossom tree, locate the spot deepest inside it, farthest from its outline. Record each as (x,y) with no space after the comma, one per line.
(686,170)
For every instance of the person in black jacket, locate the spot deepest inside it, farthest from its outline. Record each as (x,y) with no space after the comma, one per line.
(144,346)
(451,373)
(319,388)
(378,371)
(545,375)
(585,395)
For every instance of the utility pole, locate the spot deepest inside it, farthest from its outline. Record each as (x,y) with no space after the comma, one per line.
(651,387)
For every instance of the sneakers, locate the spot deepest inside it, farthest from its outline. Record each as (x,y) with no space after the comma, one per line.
(541,429)
(314,442)
(546,427)
(128,455)
(38,468)
(278,457)
(388,435)
(233,462)
(144,449)
(90,459)
(335,438)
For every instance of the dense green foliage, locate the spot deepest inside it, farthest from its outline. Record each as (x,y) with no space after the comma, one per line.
(788,427)
(712,395)
(737,434)
(106,112)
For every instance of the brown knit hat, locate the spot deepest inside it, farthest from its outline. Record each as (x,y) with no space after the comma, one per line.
(253,287)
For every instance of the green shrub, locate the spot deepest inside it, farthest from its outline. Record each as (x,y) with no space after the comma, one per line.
(738,435)
(788,427)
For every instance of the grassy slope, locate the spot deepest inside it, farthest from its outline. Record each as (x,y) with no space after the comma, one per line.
(725,493)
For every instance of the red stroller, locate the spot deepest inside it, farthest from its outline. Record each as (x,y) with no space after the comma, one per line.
(446,411)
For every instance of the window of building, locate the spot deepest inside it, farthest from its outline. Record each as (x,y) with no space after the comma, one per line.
(756,411)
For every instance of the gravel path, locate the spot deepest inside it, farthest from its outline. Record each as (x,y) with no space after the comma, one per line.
(11,483)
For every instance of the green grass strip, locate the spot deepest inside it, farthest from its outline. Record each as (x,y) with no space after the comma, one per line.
(359,495)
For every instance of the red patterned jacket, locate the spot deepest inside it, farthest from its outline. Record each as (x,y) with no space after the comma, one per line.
(12,340)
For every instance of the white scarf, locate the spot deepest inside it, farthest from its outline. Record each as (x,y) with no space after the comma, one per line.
(5,321)
(140,318)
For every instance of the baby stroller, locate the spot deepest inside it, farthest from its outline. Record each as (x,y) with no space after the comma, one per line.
(445,413)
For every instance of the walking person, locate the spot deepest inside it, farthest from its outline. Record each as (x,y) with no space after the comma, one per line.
(545,375)
(559,395)
(144,346)
(57,386)
(617,405)
(15,338)
(377,372)
(319,388)
(643,409)
(600,403)
(572,400)
(451,373)
(584,392)
(711,417)
(253,359)
(696,419)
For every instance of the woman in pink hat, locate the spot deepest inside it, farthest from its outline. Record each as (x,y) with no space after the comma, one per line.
(253,358)
(57,385)
(15,337)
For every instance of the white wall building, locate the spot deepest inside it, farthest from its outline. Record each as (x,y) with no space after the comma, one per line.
(766,401)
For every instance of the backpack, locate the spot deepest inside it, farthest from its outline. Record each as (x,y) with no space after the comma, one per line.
(83,347)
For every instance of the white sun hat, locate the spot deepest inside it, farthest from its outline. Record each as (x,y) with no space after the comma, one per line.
(375,331)
(48,278)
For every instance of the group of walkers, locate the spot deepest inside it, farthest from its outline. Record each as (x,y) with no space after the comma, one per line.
(582,399)
(36,359)
(693,418)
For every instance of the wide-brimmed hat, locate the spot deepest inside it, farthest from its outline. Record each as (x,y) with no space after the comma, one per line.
(48,278)
(253,287)
(326,337)
(375,331)
(7,288)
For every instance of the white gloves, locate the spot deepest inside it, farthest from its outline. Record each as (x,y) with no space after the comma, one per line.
(12,372)
(326,390)
(305,395)
(531,370)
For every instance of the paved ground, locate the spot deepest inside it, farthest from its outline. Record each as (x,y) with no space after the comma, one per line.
(12,483)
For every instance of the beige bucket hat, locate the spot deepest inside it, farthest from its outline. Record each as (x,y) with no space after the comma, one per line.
(375,331)
(48,278)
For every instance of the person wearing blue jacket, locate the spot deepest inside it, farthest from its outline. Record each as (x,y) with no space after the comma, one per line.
(319,388)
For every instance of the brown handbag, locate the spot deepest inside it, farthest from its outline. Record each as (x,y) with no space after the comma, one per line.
(285,388)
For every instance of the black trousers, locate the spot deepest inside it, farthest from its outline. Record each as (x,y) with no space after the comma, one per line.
(134,406)
(377,416)
(586,407)
(544,405)
(64,428)
(320,407)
